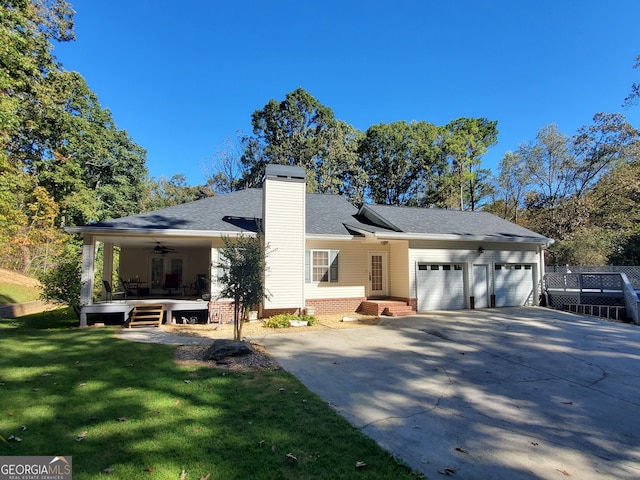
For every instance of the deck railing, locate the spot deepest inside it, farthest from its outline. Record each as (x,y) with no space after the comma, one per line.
(563,289)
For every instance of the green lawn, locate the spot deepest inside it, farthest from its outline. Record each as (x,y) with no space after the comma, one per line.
(11,293)
(129,409)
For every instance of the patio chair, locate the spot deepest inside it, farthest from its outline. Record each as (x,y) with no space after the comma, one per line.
(201,285)
(111,293)
(171,282)
(128,288)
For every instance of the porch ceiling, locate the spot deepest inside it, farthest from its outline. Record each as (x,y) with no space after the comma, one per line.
(152,240)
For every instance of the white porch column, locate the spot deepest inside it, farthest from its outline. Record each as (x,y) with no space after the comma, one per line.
(107,266)
(86,276)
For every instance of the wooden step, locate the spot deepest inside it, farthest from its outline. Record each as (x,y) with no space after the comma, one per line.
(146,315)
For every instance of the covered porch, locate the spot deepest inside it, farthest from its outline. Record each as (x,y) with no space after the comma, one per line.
(176,311)
(179,273)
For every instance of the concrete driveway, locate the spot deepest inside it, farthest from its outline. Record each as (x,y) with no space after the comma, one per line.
(516,393)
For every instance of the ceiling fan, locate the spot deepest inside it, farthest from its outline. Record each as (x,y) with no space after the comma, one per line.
(162,250)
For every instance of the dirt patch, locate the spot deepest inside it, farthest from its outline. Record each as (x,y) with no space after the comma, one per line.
(256,330)
(253,332)
(15,278)
(258,360)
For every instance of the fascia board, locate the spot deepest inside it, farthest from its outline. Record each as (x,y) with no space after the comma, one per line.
(450,237)
(142,232)
(319,236)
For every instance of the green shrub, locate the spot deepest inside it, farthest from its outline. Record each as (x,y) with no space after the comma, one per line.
(282,320)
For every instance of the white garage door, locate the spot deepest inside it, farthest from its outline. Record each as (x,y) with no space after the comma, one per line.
(513,285)
(440,287)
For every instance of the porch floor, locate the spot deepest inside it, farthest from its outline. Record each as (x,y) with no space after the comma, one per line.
(124,307)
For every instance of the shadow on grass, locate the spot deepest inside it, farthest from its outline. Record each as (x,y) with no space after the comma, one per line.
(114,404)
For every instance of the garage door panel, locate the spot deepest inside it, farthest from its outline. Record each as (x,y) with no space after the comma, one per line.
(513,285)
(440,287)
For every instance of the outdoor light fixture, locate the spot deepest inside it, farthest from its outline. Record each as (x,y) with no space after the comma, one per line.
(480,250)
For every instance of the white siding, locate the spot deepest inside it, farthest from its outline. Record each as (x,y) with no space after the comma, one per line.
(284,230)
(352,270)
(467,253)
(399,267)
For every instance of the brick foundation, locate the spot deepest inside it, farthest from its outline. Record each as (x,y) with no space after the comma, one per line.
(330,306)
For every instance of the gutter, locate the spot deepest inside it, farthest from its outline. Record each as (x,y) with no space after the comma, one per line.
(544,242)
(157,232)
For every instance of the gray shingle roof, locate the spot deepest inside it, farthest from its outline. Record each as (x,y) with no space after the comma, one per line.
(236,212)
(233,212)
(433,221)
(325,215)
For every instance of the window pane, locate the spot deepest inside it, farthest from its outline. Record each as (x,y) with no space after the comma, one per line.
(320,266)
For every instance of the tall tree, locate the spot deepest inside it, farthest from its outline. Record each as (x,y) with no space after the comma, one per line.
(569,186)
(512,184)
(60,151)
(397,158)
(301,131)
(162,192)
(634,96)
(224,173)
(465,142)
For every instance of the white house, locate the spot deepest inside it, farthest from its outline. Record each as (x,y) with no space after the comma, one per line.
(324,253)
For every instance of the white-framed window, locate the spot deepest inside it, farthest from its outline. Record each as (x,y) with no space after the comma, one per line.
(321,266)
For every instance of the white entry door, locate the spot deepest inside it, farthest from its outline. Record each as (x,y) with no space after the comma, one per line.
(481,285)
(377,274)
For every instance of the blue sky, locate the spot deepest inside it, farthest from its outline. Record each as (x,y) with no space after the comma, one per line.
(181,77)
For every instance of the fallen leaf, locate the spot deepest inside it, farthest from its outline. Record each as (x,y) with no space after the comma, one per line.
(36,389)
(108,470)
(177,402)
(458,449)
(261,443)
(449,471)
(291,457)
(183,475)
(206,477)
(13,438)
(24,427)
(187,381)
(82,385)
(45,375)
(273,448)
(82,436)
(122,419)
(360,464)
(281,389)
(4,440)
(148,469)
